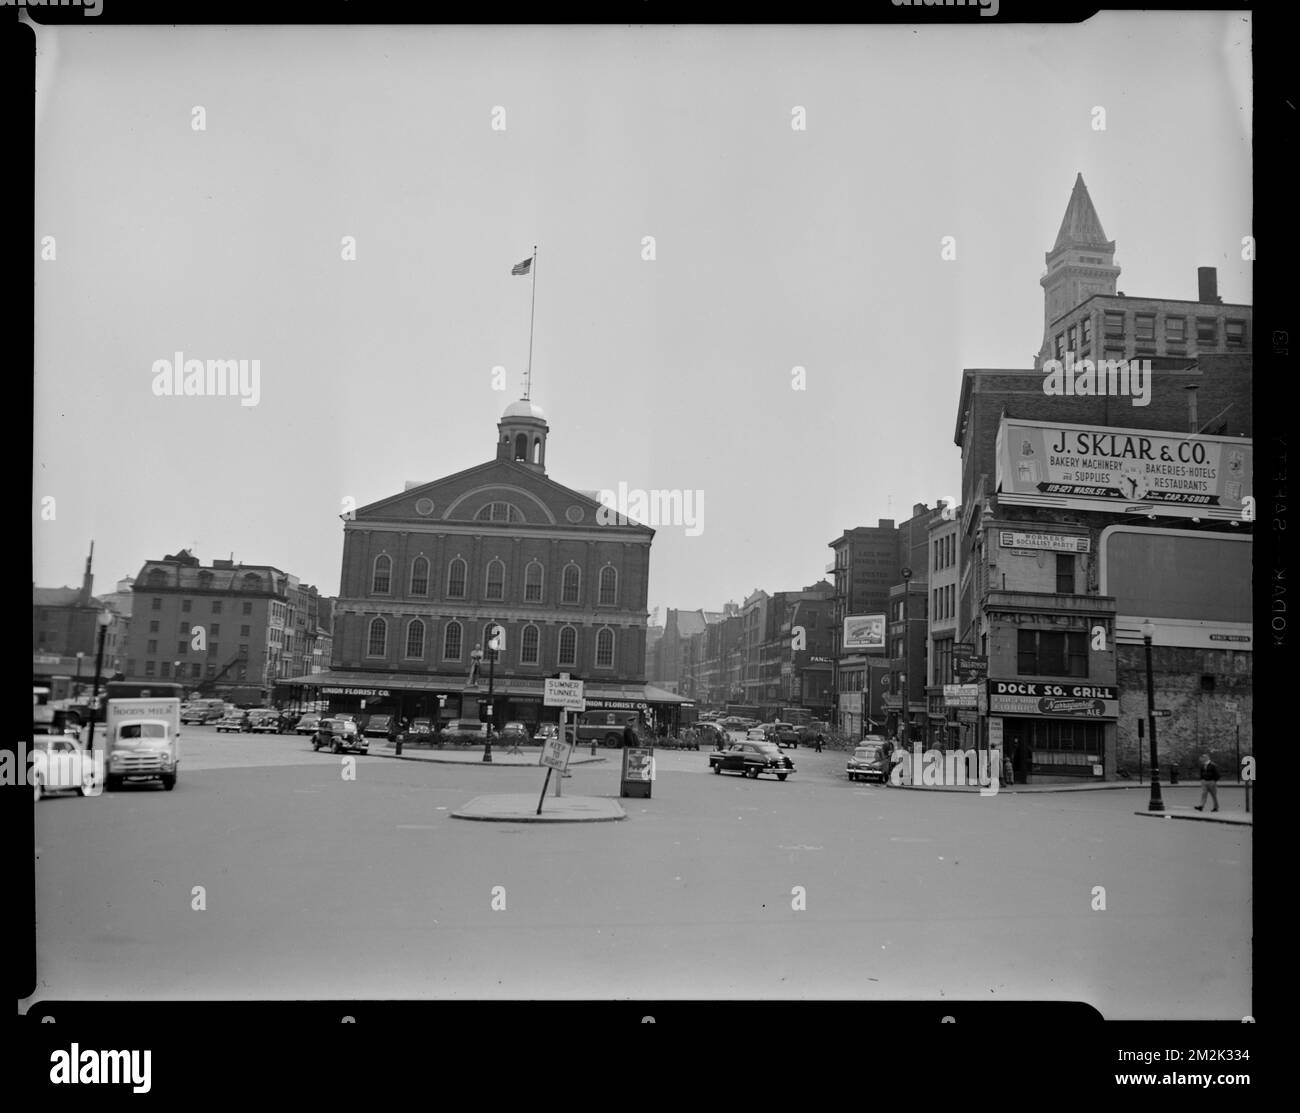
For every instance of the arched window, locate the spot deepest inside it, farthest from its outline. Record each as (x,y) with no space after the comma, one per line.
(456,580)
(529,642)
(533,582)
(605,649)
(382,579)
(415,638)
(157,577)
(537,450)
(521,446)
(498,512)
(451,642)
(420,576)
(608,586)
(378,641)
(572,581)
(568,646)
(495,580)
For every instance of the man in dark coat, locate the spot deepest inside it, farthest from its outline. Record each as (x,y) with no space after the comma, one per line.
(1209,783)
(630,736)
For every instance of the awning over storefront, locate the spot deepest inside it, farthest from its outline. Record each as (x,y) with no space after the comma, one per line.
(610,697)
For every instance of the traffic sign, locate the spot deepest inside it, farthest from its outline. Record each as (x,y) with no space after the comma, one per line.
(555,753)
(564,693)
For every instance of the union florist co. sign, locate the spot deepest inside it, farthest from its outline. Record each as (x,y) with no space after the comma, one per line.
(1030,697)
(1128,470)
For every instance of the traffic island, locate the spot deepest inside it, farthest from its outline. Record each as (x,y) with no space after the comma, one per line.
(522,808)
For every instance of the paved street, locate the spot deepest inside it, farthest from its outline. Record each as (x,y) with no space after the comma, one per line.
(317,886)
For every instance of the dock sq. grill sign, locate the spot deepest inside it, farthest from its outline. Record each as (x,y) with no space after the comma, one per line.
(1071,701)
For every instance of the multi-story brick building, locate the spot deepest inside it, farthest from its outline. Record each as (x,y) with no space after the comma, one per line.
(1085,514)
(428,572)
(944,577)
(65,630)
(866,565)
(220,627)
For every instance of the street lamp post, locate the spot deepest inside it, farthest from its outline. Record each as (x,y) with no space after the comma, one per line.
(1156,803)
(491,709)
(105,620)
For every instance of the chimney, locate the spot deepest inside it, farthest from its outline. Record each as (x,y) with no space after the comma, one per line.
(1207,284)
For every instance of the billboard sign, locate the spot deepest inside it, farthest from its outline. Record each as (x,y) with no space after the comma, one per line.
(864,632)
(1127,471)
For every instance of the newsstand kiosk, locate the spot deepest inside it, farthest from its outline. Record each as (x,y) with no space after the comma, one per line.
(638,771)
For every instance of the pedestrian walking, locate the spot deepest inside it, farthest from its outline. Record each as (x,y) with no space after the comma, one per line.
(1209,783)
(1008,769)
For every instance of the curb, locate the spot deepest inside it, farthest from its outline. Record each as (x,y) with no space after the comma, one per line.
(491,764)
(1200,819)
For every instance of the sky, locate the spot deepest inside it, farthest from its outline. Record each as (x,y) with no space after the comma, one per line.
(774,248)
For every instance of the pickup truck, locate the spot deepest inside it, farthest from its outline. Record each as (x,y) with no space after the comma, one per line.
(784,734)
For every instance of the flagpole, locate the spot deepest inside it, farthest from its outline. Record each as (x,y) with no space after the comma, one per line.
(531,312)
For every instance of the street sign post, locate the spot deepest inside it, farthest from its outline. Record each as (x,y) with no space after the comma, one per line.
(555,755)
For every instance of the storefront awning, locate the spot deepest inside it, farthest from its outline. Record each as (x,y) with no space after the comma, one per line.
(611,696)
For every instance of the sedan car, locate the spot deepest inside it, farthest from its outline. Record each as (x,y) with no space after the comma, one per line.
(60,764)
(757,734)
(784,734)
(750,758)
(467,731)
(230,723)
(420,730)
(377,726)
(515,733)
(869,763)
(308,724)
(268,722)
(338,735)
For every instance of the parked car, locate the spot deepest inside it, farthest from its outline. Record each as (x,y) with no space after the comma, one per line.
(230,724)
(466,732)
(338,735)
(377,726)
(420,730)
(750,758)
(757,734)
(308,724)
(268,722)
(712,735)
(60,764)
(869,763)
(515,733)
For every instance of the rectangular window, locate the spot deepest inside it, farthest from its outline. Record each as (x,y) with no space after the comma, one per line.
(1065,573)
(164,668)
(1051,653)
(216,606)
(1114,324)
(1060,346)
(150,668)
(155,604)
(1236,333)
(153,626)
(248,608)
(1207,330)
(1144,327)
(214,650)
(1086,325)
(1176,330)
(185,605)
(1072,338)
(244,631)
(215,629)
(151,646)
(182,648)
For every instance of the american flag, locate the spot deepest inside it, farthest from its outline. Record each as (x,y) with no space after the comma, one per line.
(522,268)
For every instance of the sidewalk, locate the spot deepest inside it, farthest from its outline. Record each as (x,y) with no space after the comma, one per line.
(473,755)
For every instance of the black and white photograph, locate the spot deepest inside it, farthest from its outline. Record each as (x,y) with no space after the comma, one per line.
(602,513)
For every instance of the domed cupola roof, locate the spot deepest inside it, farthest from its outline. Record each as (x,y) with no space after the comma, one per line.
(523,408)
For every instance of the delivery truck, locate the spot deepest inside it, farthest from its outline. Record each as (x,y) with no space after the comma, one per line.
(142,741)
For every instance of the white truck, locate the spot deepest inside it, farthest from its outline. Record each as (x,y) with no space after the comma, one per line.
(142,741)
